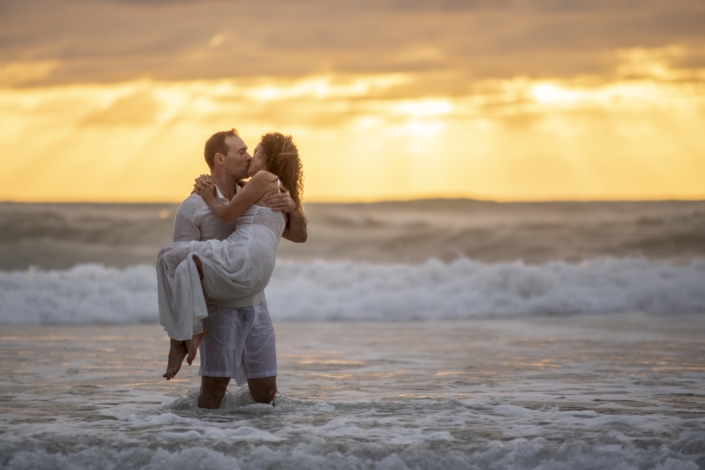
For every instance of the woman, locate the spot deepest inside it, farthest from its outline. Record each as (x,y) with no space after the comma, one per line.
(239,266)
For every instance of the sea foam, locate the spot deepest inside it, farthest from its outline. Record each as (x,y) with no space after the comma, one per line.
(325,291)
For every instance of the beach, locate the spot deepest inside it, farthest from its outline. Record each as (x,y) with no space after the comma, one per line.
(393,352)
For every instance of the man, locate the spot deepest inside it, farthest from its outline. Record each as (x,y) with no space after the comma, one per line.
(239,338)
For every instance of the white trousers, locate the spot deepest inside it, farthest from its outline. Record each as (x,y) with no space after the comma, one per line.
(238,343)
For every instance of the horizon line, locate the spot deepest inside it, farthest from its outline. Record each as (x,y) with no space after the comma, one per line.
(698,198)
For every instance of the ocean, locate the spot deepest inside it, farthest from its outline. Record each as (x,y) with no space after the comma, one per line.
(420,334)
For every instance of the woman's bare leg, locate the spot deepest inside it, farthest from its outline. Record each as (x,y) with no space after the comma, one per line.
(192,346)
(187,349)
(177,353)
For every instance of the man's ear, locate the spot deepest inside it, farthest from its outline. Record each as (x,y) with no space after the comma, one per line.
(219,158)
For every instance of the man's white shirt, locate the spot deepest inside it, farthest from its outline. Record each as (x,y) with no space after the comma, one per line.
(195,221)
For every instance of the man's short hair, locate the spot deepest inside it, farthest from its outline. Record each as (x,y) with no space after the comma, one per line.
(216,144)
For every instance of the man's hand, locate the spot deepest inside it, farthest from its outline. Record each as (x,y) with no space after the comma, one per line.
(281,202)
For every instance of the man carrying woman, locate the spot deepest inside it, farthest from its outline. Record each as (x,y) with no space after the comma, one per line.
(212,279)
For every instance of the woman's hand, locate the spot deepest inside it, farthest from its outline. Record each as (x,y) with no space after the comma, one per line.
(281,202)
(201,182)
(205,188)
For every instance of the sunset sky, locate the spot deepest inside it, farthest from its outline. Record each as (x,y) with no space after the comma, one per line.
(387,99)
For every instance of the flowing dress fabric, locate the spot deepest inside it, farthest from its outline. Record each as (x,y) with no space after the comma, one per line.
(239,266)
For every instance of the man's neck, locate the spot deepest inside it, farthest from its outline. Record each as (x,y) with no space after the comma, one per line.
(226,184)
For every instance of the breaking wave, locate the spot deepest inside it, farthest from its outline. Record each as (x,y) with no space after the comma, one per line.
(329,291)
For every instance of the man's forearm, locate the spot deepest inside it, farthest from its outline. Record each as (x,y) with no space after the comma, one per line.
(296,230)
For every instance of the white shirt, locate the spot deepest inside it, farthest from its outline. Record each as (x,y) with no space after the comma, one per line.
(195,221)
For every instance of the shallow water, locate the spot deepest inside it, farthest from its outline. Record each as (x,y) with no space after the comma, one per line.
(488,378)
(590,391)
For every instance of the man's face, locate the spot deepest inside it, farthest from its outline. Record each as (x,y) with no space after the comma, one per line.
(237,160)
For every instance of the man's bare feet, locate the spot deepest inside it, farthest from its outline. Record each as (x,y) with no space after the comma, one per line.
(192,347)
(177,353)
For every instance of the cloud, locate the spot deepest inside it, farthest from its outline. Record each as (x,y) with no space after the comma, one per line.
(112,41)
(458,93)
(137,109)
(500,138)
(13,73)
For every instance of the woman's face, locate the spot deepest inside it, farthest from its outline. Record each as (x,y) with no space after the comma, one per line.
(257,163)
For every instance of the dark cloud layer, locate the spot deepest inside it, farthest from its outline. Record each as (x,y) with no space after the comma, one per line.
(116,40)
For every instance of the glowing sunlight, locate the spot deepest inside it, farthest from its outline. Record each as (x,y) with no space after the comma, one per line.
(362,137)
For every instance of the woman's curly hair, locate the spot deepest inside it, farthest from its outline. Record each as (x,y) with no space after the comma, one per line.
(282,158)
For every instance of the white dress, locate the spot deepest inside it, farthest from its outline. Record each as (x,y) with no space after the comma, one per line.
(239,266)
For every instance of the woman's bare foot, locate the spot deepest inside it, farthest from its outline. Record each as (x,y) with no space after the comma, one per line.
(192,347)
(177,353)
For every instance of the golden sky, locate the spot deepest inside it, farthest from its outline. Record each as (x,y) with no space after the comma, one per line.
(387,99)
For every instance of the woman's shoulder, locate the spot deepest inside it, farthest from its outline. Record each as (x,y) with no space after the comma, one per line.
(264,176)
